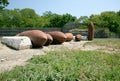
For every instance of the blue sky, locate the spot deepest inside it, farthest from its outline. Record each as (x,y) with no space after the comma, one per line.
(74,7)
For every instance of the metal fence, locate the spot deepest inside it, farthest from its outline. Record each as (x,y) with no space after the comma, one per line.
(14,31)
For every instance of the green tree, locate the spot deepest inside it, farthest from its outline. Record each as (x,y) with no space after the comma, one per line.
(97,19)
(48,13)
(82,19)
(56,20)
(19,18)
(10,18)
(118,20)
(110,20)
(107,19)
(68,18)
(3,4)
(5,18)
(29,17)
(15,18)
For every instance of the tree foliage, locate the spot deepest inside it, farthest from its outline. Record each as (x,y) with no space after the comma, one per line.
(3,4)
(28,18)
(108,19)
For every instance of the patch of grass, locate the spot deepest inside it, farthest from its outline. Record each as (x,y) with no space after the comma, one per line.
(108,42)
(68,65)
(0,39)
(110,45)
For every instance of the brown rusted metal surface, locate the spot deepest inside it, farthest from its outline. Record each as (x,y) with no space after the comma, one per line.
(69,36)
(58,37)
(49,40)
(78,37)
(91,31)
(37,37)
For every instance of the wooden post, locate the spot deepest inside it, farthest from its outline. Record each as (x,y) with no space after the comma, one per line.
(91,31)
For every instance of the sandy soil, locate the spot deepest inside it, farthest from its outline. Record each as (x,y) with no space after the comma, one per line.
(10,58)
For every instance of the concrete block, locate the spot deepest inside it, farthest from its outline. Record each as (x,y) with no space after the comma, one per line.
(17,42)
(84,37)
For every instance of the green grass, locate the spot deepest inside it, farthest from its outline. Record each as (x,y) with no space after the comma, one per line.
(108,42)
(0,38)
(68,65)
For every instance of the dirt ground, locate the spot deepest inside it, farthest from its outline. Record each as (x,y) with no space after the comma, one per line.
(10,58)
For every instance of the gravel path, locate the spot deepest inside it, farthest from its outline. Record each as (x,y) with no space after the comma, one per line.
(10,58)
